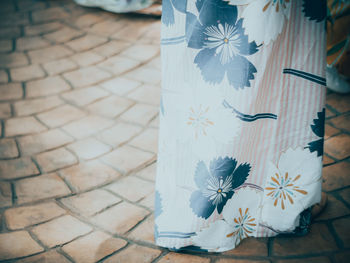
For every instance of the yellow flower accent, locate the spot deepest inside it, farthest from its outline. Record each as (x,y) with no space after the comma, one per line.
(198,120)
(282,188)
(244,225)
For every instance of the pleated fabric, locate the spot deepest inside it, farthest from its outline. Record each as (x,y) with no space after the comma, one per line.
(241,120)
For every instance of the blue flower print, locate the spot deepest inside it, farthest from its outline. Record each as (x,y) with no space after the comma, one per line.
(315,9)
(222,43)
(216,185)
(168,10)
(318,129)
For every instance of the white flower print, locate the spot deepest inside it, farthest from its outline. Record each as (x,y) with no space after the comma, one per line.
(263,20)
(239,222)
(293,185)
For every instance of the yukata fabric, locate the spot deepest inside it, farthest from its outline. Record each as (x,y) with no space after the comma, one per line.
(117,6)
(242,115)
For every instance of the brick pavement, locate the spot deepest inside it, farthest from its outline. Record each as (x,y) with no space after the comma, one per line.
(79,95)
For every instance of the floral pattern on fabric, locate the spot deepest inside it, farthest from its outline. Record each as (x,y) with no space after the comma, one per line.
(315,9)
(294,184)
(318,129)
(238,222)
(222,43)
(259,13)
(168,7)
(216,185)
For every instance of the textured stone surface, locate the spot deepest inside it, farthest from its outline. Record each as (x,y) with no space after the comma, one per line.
(60,230)
(8,149)
(40,187)
(182,258)
(48,257)
(20,217)
(120,218)
(135,253)
(336,176)
(55,159)
(16,168)
(93,247)
(17,244)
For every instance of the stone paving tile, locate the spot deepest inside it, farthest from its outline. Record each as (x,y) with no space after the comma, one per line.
(17,244)
(11,91)
(84,96)
(86,76)
(120,218)
(342,228)
(89,148)
(5,45)
(59,66)
(141,52)
(8,149)
(90,203)
(345,194)
(147,140)
(106,28)
(17,168)
(5,194)
(144,231)
(33,30)
(110,107)
(134,253)
(3,76)
(23,126)
(21,217)
(27,73)
(319,239)
(5,110)
(342,122)
(87,58)
(154,123)
(10,32)
(173,257)
(118,134)
(309,260)
(48,257)
(146,94)
(342,257)
(45,87)
(88,175)
(120,158)
(342,178)
(60,115)
(87,126)
(334,209)
(55,159)
(330,131)
(140,113)
(131,188)
(250,247)
(146,75)
(40,187)
(87,20)
(148,173)
(49,54)
(33,144)
(226,260)
(93,247)
(60,230)
(132,31)
(86,42)
(339,102)
(13,60)
(148,201)
(49,14)
(111,48)
(29,107)
(118,65)
(338,146)
(62,35)
(120,86)
(30,43)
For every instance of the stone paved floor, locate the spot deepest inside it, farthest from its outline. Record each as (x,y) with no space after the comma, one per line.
(79,96)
